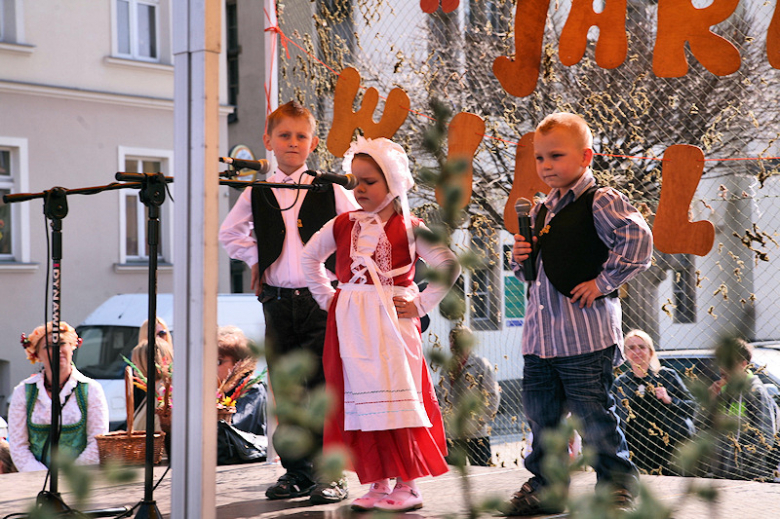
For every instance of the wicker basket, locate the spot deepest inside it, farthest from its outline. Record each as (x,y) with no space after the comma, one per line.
(128,449)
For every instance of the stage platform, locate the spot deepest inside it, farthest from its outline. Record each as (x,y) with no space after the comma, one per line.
(241,494)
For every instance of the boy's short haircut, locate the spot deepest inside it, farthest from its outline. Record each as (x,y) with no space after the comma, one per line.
(231,342)
(573,123)
(730,352)
(293,110)
(743,349)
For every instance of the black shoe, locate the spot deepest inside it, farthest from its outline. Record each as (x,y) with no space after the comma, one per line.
(289,486)
(528,501)
(333,492)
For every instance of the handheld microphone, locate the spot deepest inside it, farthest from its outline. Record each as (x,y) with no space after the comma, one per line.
(348,181)
(262,165)
(523,208)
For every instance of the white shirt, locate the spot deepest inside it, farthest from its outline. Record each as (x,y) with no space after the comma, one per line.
(239,242)
(97,418)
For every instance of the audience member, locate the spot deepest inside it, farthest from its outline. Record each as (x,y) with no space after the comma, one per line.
(744,451)
(84,408)
(656,409)
(235,366)
(6,463)
(164,362)
(470,381)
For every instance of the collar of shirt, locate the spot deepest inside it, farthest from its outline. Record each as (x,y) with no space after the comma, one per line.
(298,176)
(75,377)
(556,199)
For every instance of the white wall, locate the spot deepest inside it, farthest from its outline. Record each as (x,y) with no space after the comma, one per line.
(76,107)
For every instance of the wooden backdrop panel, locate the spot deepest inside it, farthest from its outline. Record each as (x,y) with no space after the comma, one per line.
(679,22)
(612,45)
(673,232)
(526,182)
(463,137)
(346,121)
(519,76)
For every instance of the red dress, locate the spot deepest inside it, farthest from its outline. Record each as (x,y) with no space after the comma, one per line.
(407,453)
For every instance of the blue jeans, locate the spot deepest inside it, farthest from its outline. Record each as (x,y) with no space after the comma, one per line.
(581,385)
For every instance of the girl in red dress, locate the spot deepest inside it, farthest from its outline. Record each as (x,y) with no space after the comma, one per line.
(385,411)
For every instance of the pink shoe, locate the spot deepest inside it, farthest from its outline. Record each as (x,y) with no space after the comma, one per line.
(403,499)
(378,492)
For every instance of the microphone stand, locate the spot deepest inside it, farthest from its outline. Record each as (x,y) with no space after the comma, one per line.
(55,208)
(152,195)
(152,186)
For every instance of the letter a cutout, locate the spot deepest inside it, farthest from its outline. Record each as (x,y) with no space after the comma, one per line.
(345,121)
(673,232)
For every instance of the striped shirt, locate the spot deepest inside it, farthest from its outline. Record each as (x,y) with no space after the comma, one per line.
(554,327)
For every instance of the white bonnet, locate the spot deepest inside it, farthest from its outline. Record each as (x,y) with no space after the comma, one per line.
(390,157)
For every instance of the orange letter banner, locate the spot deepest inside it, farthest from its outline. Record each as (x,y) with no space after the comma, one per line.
(345,121)
(679,21)
(673,232)
(612,45)
(773,39)
(463,137)
(519,76)
(526,182)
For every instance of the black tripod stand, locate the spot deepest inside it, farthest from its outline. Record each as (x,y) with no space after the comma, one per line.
(152,195)
(55,208)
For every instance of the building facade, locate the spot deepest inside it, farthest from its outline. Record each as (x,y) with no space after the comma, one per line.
(86,90)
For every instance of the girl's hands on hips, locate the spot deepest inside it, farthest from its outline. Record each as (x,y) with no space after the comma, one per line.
(405,309)
(585,293)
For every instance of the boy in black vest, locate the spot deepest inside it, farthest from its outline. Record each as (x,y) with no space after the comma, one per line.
(283,220)
(590,241)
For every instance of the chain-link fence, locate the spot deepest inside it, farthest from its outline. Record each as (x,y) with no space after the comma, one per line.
(687,304)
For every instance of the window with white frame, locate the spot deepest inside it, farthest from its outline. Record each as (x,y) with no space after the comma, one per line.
(137,29)
(133,214)
(485,293)
(14,217)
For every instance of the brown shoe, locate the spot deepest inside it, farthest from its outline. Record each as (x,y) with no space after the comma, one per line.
(623,500)
(527,502)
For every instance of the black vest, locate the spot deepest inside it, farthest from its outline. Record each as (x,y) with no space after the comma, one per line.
(318,207)
(571,249)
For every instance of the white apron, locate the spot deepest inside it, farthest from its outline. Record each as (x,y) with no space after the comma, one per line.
(381,354)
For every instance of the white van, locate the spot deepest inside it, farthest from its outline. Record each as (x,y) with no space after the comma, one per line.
(111,331)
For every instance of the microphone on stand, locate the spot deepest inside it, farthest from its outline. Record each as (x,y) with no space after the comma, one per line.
(347,181)
(262,165)
(523,208)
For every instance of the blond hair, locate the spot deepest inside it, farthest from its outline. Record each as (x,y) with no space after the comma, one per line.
(32,342)
(291,110)
(655,364)
(143,331)
(163,354)
(572,123)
